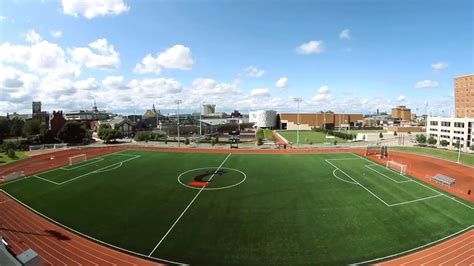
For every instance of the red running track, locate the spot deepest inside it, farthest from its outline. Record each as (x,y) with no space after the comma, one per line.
(24,229)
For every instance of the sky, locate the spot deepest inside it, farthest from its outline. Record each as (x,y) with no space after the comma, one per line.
(346,56)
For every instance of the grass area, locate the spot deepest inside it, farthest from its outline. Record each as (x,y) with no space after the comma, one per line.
(467,159)
(309,210)
(308,137)
(4,159)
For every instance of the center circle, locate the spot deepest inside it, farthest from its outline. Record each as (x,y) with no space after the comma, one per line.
(211,178)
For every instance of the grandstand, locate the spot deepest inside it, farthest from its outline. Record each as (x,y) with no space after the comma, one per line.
(443,179)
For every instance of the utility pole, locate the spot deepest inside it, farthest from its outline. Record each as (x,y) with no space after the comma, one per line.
(298,101)
(178,102)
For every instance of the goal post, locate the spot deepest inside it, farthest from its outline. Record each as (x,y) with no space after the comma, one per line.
(77,159)
(399,167)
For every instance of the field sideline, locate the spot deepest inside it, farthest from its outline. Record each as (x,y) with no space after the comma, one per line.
(331,204)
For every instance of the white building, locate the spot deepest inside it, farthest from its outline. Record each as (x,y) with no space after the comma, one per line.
(452,129)
(263,118)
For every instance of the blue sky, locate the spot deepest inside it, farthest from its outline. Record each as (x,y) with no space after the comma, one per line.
(355,56)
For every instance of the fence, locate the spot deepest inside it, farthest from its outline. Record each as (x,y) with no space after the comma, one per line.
(48,146)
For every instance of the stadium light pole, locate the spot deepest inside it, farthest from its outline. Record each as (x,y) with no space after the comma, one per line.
(200,119)
(298,101)
(178,102)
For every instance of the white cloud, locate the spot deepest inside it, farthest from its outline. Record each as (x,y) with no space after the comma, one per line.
(2,18)
(94,8)
(282,83)
(401,98)
(426,84)
(106,57)
(42,57)
(87,84)
(345,34)
(206,86)
(323,94)
(114,82)
(56,33)
(439,65)
(311,47)
(176,57)
(158,87)
(253,72)
(260,92)
(32,36)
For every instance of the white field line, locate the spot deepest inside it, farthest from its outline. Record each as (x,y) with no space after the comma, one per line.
(187,207)
(459,263)
(98,170)
(382,174)
(343,159)
(47,180)
(13,181)
(411,201)
(372,193)
(334,174)
(421,184)
(467,245)
(87,236)
(438,251)
(414,249)
(116,166)
(91,161)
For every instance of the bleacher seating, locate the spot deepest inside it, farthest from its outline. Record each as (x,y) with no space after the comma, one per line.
(443,179)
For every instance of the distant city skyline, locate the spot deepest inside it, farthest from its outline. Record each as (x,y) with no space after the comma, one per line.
(351,56)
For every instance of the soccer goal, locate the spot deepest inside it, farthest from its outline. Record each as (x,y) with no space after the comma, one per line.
(402,168)
(77,158)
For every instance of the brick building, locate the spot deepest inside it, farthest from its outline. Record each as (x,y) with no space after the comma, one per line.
(464,96)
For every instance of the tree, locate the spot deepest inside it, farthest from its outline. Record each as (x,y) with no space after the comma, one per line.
(259,141)
(381,135)
(11,154)
(109,135)
(4,129)
(7,146)
(420,138)
(72,132)
(457,145)
(432,140)
(395,133)
(31,127)
(47,136)
(444,143)
(16,127)
(472,147)
(186,141)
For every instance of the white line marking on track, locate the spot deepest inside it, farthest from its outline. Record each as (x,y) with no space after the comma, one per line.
(187,207)
(467,245)
(459,263)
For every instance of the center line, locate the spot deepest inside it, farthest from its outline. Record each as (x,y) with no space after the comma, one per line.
(189,205)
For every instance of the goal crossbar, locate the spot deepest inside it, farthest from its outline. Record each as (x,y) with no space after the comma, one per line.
(402,168)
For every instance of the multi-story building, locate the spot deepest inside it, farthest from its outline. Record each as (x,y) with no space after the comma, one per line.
(402,113)
(208,109)
(452,129)
(464,96)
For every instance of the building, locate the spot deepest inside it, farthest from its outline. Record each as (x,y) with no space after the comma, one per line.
(208,109)
(41,116)
(57,122)
(402,113)
(308,121)
(89,115)
(263,118)
(122,124)
(464,96)
(452,129)
(152,117)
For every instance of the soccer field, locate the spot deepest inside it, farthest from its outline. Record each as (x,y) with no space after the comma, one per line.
(245,209)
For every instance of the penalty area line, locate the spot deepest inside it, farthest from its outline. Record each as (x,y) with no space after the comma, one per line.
(187,207)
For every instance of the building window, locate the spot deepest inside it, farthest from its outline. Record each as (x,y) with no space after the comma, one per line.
(433,123)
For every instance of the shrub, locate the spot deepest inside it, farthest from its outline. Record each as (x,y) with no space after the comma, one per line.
(335,142)
(432,140)
(259,141)
(7,145)
(472,147)
(420,138)
(395,133)
(381,135)
(186,141)
(11,154)
(444,143)
(213,141)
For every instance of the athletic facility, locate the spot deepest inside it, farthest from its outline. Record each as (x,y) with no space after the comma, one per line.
(237,208)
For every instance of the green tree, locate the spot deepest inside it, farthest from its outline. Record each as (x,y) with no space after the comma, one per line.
(4,129)
(186,141)
(395,133)
(472,147)
(16,127)
(381,135)
(7,145)
(108,135)
(259,141)
(11,154)
(420,138)
(432,140)
(72,132)
(457,144)
(48,137)
(444,143)
(31,127)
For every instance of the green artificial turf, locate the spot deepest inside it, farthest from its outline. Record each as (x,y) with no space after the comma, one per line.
(308,137)
(290,209)
(465,158)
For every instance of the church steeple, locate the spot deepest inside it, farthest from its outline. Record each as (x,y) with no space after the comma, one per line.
(94,108)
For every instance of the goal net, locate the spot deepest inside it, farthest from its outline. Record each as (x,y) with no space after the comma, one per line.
(77,159)
(401,168)
(378,150)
